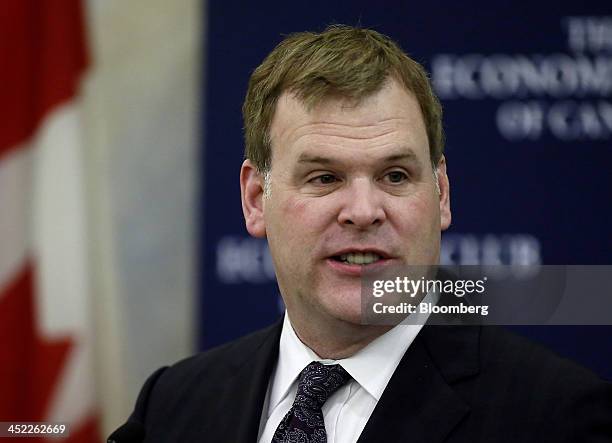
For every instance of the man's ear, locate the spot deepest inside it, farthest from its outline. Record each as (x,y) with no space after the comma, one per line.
(444,186)
(251,192)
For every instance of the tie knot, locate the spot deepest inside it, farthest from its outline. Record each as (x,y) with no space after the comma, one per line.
(317,382)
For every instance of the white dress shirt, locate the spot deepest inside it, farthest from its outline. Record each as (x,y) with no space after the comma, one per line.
(347,411)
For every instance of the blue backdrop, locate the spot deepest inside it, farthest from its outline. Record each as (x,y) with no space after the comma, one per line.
(527,94)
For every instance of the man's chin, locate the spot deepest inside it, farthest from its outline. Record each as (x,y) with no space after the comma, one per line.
(347,314)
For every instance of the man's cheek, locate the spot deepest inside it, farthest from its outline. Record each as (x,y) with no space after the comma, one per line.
(308,213)
(415,214)
(294,206)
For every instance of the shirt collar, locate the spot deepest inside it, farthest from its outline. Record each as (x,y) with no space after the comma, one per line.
(371,367)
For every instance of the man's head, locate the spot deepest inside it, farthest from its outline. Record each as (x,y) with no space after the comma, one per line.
(344,134)
(341,61)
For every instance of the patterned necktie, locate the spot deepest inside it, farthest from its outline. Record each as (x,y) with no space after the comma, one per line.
(304,421)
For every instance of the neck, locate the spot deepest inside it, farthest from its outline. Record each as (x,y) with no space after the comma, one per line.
(335,339)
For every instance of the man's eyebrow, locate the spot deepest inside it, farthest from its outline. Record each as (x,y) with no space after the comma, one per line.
(318,159)
(406,154)
(402,155)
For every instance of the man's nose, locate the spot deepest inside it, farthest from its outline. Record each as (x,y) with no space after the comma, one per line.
(362,205)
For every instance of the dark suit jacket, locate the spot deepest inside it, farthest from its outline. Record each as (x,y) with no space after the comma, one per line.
(454,384)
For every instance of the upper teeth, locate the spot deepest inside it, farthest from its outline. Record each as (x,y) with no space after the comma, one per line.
(359,258)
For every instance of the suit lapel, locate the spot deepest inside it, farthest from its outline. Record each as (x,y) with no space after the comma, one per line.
(419,403)
(241,396)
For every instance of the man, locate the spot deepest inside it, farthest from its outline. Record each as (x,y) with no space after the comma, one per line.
(345,174)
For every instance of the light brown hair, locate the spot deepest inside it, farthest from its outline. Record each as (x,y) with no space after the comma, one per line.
(342,61)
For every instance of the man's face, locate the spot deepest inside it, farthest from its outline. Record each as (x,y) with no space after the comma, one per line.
(352,189)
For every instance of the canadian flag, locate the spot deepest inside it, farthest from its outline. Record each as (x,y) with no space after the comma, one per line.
(45,325)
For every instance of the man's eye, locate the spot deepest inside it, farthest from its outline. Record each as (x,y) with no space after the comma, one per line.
(325,179)
(397,176)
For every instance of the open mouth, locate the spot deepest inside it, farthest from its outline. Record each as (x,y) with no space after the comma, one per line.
(358,258)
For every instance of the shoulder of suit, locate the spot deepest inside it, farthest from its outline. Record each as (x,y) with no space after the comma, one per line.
(559,395)
(524,358)
(215,362)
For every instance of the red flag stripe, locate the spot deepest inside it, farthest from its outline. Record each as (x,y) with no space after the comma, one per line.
(29,364)
(43,55)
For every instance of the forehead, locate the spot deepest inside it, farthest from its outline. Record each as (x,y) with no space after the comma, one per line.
(391,116)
